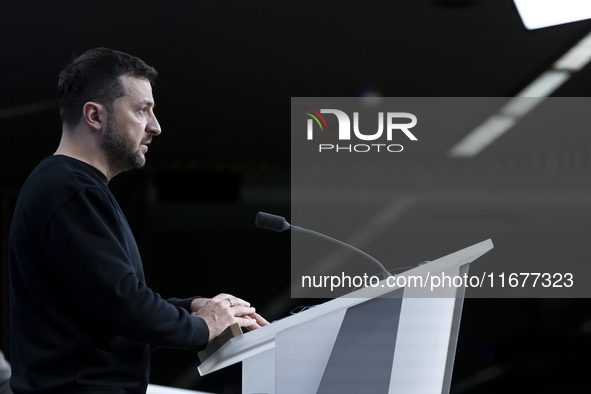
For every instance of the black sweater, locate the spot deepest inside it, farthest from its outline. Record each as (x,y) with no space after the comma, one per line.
(82,316)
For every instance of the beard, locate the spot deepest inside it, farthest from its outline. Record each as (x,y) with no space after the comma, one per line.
(122,152)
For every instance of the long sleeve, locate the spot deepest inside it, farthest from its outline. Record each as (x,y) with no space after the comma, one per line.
(95,259)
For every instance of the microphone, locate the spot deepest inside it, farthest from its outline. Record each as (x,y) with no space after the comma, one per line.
(271,222)
(278,223)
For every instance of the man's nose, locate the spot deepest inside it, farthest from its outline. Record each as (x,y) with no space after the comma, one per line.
(153,127)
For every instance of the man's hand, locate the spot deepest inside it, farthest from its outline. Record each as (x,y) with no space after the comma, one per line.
(224,309)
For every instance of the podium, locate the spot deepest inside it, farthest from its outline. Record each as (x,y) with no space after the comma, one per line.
(397,337)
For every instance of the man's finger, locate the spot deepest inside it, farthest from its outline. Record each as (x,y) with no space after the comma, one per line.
(245,321)
(241,311)
(230,301)
(261,321)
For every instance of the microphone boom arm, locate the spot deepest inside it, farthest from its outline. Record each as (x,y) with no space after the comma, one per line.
(385,272)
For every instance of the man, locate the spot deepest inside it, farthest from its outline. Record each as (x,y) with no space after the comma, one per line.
(82,316)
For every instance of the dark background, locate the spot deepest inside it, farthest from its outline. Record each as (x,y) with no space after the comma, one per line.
(228,70)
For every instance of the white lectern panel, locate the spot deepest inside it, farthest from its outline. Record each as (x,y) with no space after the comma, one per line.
(423,339)
(364,342)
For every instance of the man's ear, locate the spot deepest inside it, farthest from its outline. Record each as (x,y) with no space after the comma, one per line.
(94,115)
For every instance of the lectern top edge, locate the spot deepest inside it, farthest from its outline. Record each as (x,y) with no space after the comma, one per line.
(255,342)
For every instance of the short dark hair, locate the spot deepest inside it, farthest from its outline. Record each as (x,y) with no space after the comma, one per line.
(94,76)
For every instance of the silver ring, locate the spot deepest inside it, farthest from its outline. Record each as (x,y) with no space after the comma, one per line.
(231,303)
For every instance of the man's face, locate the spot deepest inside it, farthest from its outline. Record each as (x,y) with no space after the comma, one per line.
(130,126)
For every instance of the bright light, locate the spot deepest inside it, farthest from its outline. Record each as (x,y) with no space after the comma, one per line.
(482,136)
(497,125)
(545,84)
(535,14)
(543,13)
(577,57)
